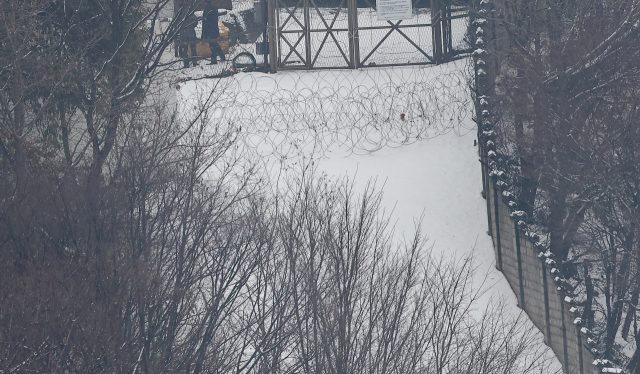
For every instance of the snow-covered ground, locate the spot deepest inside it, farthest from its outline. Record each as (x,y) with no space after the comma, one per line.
(429,169)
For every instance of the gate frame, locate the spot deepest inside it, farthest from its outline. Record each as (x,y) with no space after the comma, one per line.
(442,49)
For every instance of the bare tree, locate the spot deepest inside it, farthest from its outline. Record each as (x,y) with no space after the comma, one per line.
(136,238)
(364,305)
(566,98)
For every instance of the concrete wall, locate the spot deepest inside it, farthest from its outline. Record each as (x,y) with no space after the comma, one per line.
(529,274)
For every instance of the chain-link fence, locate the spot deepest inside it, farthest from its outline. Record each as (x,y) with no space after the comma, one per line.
(316,34)
(329,34)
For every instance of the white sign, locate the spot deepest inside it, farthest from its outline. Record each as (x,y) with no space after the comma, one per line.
(393,9)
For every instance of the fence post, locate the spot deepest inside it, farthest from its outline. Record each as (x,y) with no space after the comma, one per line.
(307,34)
(486,188)
(520,272)
(482,106)
(547,316)
(273,41)
(580,359)
(265,32)
(445,12)
(497,221)
(565,349)
(436,30)
(354,40)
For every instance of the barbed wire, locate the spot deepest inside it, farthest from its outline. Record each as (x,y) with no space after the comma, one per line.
(361,110)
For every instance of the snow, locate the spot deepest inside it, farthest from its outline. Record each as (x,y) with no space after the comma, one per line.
(612,370)
(429,177)
(436,177)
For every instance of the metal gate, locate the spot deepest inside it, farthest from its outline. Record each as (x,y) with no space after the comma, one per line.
(325,34)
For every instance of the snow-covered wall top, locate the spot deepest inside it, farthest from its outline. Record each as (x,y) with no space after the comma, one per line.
(524,259)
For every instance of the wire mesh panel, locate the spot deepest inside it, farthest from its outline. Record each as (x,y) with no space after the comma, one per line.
(321,34)
(398,42)
(313,34)
(292,28)
(454,20)
(329,33)
(349,33)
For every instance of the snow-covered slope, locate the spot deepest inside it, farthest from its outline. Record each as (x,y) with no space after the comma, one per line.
(436,177)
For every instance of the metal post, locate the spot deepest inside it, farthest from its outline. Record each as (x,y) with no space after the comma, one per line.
(580,358)
(520,271)
(565,349)
(354,40)
(547,316)
(496,203)
(265,35)
(272,27)
(307,33)
(445,10)
(436,30)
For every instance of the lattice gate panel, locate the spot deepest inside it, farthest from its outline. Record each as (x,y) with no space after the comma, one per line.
(402,42)
(329,34)
(292,33)
(316,34)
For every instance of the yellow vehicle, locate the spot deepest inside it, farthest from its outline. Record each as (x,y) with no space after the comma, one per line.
(243,60)
(202,48)
(228,43)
